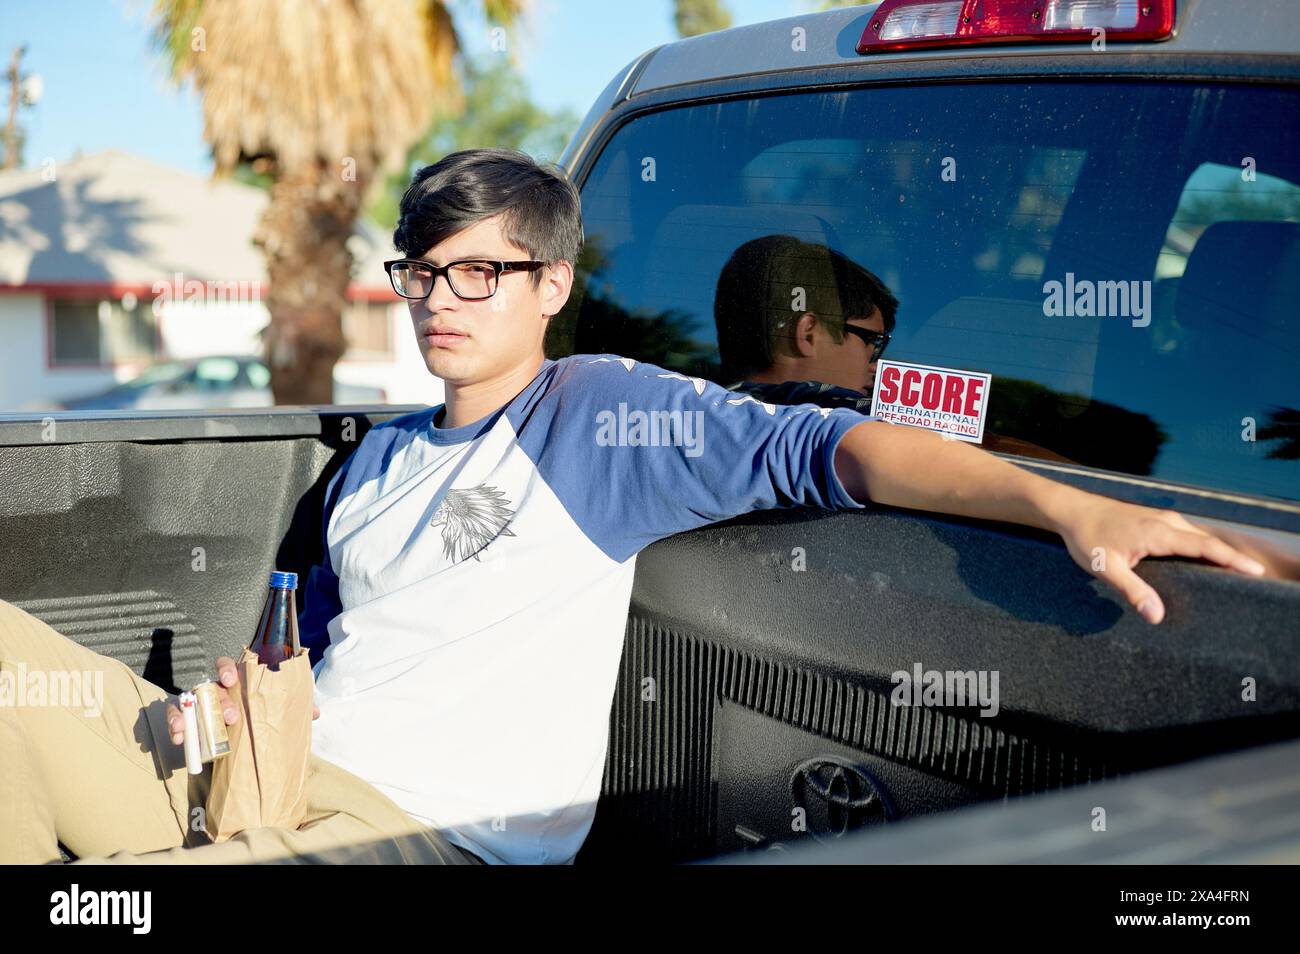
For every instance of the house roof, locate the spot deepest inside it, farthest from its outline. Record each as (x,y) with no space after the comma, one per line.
(115,219)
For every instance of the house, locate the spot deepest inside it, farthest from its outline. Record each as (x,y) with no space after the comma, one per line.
(110,263)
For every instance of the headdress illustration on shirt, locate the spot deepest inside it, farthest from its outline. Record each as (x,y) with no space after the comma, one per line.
(470,520)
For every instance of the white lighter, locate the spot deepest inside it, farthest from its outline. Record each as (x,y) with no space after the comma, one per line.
(193,755)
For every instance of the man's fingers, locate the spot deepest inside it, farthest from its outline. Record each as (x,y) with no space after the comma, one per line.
(229,711)
(1171,541)
(1278,564)
(227,674)
(1206,546)
(175,724)
(1178,521)
(1139,593)
(1213,547)
(315,711)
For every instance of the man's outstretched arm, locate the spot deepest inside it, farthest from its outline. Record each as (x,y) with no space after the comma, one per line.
(905,467)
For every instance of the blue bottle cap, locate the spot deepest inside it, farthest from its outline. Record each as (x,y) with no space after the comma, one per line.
(284,581)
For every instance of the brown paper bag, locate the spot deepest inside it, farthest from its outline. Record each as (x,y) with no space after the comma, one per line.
(262,781)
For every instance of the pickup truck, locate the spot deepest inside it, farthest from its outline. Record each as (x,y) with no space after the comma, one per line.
(1007,177)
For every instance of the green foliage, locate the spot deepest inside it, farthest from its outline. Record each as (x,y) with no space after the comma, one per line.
(20,141)
(244,173)
(175,21)
(693,17)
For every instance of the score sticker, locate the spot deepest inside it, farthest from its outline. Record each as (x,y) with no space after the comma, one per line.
(946,400)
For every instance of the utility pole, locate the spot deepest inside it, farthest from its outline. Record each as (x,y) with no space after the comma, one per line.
(11,125)
(23,91)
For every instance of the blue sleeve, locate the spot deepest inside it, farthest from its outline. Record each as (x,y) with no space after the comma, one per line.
(637,453)
(320,591)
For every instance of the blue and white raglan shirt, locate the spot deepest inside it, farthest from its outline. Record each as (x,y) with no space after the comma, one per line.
(475,595)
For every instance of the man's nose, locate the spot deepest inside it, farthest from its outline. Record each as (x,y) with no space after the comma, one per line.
(441,295)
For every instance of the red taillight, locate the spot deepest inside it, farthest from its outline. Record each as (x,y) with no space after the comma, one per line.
(912,24)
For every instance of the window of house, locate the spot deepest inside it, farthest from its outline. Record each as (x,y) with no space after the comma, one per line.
(103,332)
(367,327)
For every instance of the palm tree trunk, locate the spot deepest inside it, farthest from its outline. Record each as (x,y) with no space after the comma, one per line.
(303,234)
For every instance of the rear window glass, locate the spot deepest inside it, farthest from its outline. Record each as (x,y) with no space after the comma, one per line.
(1123,259)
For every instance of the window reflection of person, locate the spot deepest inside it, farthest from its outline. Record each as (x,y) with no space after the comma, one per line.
(786,311)
(799,322)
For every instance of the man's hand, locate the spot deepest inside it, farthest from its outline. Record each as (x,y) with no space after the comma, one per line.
(227,676)
(906,467)
(1108,538)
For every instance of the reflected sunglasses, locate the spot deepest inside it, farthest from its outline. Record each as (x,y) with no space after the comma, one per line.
(875,340)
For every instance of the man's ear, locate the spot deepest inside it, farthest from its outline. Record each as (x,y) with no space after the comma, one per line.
(557,282)
(803,335)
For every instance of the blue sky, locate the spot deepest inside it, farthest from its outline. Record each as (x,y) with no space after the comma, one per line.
(105,87)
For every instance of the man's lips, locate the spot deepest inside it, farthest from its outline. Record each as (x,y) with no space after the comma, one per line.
(444,337)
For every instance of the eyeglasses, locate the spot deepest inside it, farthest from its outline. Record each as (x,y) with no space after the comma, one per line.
(470,280)
(876,340)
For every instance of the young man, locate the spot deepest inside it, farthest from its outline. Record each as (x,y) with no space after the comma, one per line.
(472,605)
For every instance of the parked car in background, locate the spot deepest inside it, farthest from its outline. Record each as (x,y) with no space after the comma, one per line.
(213,381)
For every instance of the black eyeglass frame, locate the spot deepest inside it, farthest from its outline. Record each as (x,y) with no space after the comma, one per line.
(498,268)
(878,341)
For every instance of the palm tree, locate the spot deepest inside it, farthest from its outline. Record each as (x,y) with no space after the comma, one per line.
(325,97)
(694,17)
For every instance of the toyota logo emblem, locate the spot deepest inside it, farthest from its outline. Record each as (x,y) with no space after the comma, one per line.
(837,797)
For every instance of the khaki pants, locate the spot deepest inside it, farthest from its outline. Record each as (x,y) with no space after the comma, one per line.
(112,787)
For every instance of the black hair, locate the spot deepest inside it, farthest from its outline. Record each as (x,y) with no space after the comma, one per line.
(543,212)
(756,290)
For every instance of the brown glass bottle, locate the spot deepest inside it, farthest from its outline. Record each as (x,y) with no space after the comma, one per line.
(276,638)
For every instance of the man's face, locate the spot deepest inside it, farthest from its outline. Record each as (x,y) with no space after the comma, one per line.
(849,363)
(466,342)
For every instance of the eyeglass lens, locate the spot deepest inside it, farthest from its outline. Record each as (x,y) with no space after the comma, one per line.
(468,280)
